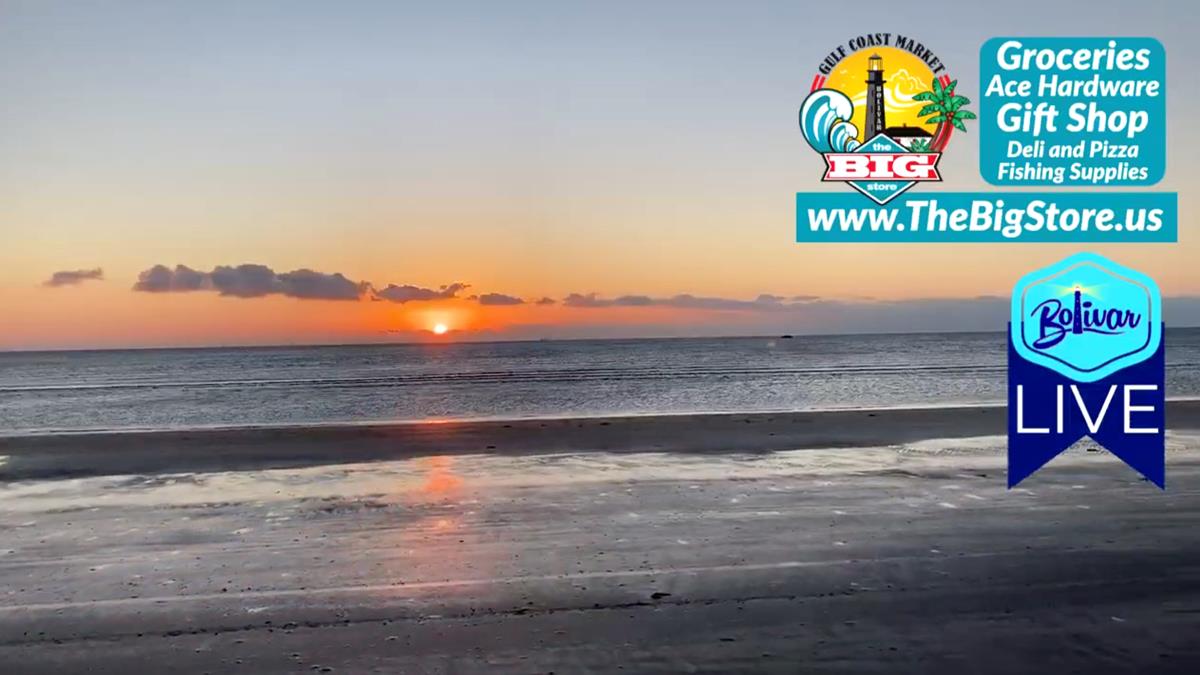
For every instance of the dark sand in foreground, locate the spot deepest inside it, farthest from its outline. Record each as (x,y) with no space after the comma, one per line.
(87,454)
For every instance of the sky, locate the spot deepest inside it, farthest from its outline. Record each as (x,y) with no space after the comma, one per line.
(632,163)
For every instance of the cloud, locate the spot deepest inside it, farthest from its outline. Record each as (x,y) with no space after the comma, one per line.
(761,303)
(764,314)
(308,284)
(635,301)
(251,281)
(245,281)
(73,277)
(764,302)
(499,299)
(162,279)
(406,293)
(768,315)
(588,300)
(256,281)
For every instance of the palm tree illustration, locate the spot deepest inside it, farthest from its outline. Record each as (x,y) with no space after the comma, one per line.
(947,111)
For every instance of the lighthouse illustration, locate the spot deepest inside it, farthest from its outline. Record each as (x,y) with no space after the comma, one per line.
(876,124)
(1077,323)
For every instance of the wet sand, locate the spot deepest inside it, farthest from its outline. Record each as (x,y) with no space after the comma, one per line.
(91,454)
(908,558)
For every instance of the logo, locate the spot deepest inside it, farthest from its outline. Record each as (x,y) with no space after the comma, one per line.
(1086,317)
(1085,358)
(881,111)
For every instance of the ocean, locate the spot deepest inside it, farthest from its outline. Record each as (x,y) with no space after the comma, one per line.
(45,392)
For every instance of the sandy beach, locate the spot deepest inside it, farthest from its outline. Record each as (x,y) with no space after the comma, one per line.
(89,454)
(722,543)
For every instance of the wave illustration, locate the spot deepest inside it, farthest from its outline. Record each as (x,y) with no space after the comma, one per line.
(825,121)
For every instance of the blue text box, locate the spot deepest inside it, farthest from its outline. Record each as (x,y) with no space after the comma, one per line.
(979,217)
(1066,111)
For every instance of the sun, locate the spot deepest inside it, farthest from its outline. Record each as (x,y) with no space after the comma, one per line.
(439,329)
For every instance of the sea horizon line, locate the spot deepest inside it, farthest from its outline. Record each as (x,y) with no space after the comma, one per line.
(450,342)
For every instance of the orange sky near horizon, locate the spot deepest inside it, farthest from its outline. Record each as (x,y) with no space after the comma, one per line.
(93,315)
(109,314)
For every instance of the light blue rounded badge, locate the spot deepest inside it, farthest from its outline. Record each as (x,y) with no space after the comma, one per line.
(1086,317)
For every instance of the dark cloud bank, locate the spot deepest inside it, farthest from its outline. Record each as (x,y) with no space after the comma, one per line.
(256,281)
(73,277)
(408,293)
(499,299)
(764,314)
(250,281)
(764,302)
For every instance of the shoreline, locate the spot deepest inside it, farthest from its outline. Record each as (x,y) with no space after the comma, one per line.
(521,419)
(80,454)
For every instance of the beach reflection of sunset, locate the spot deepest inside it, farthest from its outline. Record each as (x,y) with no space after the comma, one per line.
(428,547)
(440,480)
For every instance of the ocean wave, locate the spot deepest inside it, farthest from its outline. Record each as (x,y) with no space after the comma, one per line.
(509,376)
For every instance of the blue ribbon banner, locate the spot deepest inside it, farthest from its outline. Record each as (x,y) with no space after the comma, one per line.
(1048,412)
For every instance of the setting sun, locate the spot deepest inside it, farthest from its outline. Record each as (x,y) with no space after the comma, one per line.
(440,329)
